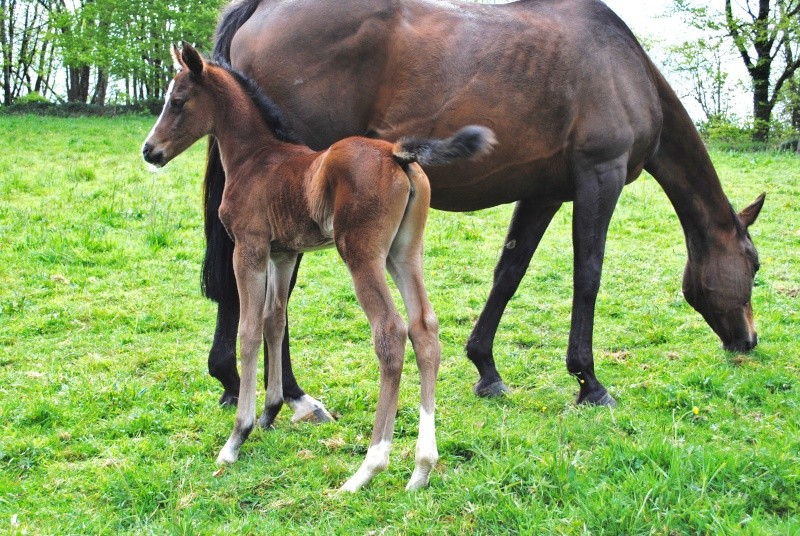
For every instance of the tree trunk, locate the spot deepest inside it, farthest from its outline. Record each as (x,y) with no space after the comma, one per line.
(762,108)
(101,87)
(5,43)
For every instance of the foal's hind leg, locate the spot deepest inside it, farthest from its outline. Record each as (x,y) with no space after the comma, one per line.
(405,266)
(528,224)
(389,338)
(423,330)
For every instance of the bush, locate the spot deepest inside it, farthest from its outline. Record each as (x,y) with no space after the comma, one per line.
(32,97)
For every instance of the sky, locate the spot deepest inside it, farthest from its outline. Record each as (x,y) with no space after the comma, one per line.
(649,19)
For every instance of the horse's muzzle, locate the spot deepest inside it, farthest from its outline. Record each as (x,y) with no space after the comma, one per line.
(152,157)
(742,345)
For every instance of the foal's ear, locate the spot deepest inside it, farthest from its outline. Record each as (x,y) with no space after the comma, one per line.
(191,58)
(177,61)
(749,214)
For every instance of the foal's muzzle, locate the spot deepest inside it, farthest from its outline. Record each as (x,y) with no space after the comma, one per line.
(152,157)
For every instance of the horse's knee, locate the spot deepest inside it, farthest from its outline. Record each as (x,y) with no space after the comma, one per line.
(424,329)
(390,342)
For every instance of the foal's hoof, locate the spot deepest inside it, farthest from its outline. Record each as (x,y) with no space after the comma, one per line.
(491,390)
(228,399)
(267,419)
(599,398)
(317,416)
(309,409)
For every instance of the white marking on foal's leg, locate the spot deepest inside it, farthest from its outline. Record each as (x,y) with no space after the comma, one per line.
(307,408)
(377,461)
(427,454)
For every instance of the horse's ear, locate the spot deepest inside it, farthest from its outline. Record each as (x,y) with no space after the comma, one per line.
(191,58)
(749,215)
(177,60)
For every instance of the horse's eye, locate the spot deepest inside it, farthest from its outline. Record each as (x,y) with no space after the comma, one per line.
(176,104)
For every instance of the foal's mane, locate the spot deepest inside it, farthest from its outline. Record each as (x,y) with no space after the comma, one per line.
(273,116)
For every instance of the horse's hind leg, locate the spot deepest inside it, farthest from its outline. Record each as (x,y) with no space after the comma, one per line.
(597,189)
(528,224)
(405,266)
(389,339)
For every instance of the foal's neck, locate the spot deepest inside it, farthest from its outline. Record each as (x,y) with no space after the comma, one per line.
(242,133)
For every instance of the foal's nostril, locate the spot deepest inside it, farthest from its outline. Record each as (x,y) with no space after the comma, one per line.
(146,149)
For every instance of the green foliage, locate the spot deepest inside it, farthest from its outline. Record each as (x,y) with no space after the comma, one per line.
(32,98)
(109,421)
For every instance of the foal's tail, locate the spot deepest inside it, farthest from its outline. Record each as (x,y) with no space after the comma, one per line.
(219,283)
(472,141)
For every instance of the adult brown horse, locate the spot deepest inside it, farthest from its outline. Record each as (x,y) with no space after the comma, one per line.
(579,110)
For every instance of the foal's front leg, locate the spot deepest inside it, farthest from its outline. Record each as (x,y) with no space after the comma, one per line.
(250,266)
(279,277)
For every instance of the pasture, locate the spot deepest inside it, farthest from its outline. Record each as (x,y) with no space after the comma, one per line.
(109,421)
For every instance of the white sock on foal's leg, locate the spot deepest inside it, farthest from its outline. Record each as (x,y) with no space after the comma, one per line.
(377,461)
(427,453)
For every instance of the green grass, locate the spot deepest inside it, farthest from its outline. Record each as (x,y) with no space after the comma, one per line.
(109,422)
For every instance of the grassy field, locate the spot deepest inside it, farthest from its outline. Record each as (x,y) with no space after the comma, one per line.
(109,421)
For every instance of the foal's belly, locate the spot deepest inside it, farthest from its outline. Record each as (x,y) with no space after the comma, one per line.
(300,246)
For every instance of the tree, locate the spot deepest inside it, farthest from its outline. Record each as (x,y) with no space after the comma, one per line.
(766,34)
(701,65)
(24,53)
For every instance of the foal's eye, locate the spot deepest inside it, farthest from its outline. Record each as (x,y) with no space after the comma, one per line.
(176,104)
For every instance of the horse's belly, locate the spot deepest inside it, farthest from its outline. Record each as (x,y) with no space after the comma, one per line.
(458,190)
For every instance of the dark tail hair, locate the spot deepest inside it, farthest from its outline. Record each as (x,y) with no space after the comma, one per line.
(471,141)
(219,282)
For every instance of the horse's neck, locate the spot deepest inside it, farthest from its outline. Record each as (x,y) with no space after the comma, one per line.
(241,132)
(683,168)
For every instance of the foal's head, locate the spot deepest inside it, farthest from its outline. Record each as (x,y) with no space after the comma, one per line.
(718,282)
(188,110)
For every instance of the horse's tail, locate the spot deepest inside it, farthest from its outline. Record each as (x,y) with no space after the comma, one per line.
(471,141)
(232,18)
(219,282)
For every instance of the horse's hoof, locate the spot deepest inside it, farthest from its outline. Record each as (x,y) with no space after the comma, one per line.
(267,419)
(599,399)
(495,389)
(308,409)
(318,416)
(228,399)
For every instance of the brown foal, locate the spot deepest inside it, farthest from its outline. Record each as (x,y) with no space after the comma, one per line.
(368,197)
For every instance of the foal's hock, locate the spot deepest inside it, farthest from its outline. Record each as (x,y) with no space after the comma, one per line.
(367,197)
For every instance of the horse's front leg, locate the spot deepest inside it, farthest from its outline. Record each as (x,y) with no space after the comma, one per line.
(222,356)
(528,224)
(250,264)
(304,407)
(279,277)
(389,339)
(597,189)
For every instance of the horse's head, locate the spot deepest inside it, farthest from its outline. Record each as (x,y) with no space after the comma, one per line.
(186,116)
(718,281)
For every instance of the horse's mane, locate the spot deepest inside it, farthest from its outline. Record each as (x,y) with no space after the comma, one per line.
(270,112)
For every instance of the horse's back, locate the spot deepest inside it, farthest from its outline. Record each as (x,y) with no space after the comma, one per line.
(551,77)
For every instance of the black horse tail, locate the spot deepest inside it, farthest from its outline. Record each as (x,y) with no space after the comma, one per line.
(232,18)
(472,141)
(219,282)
